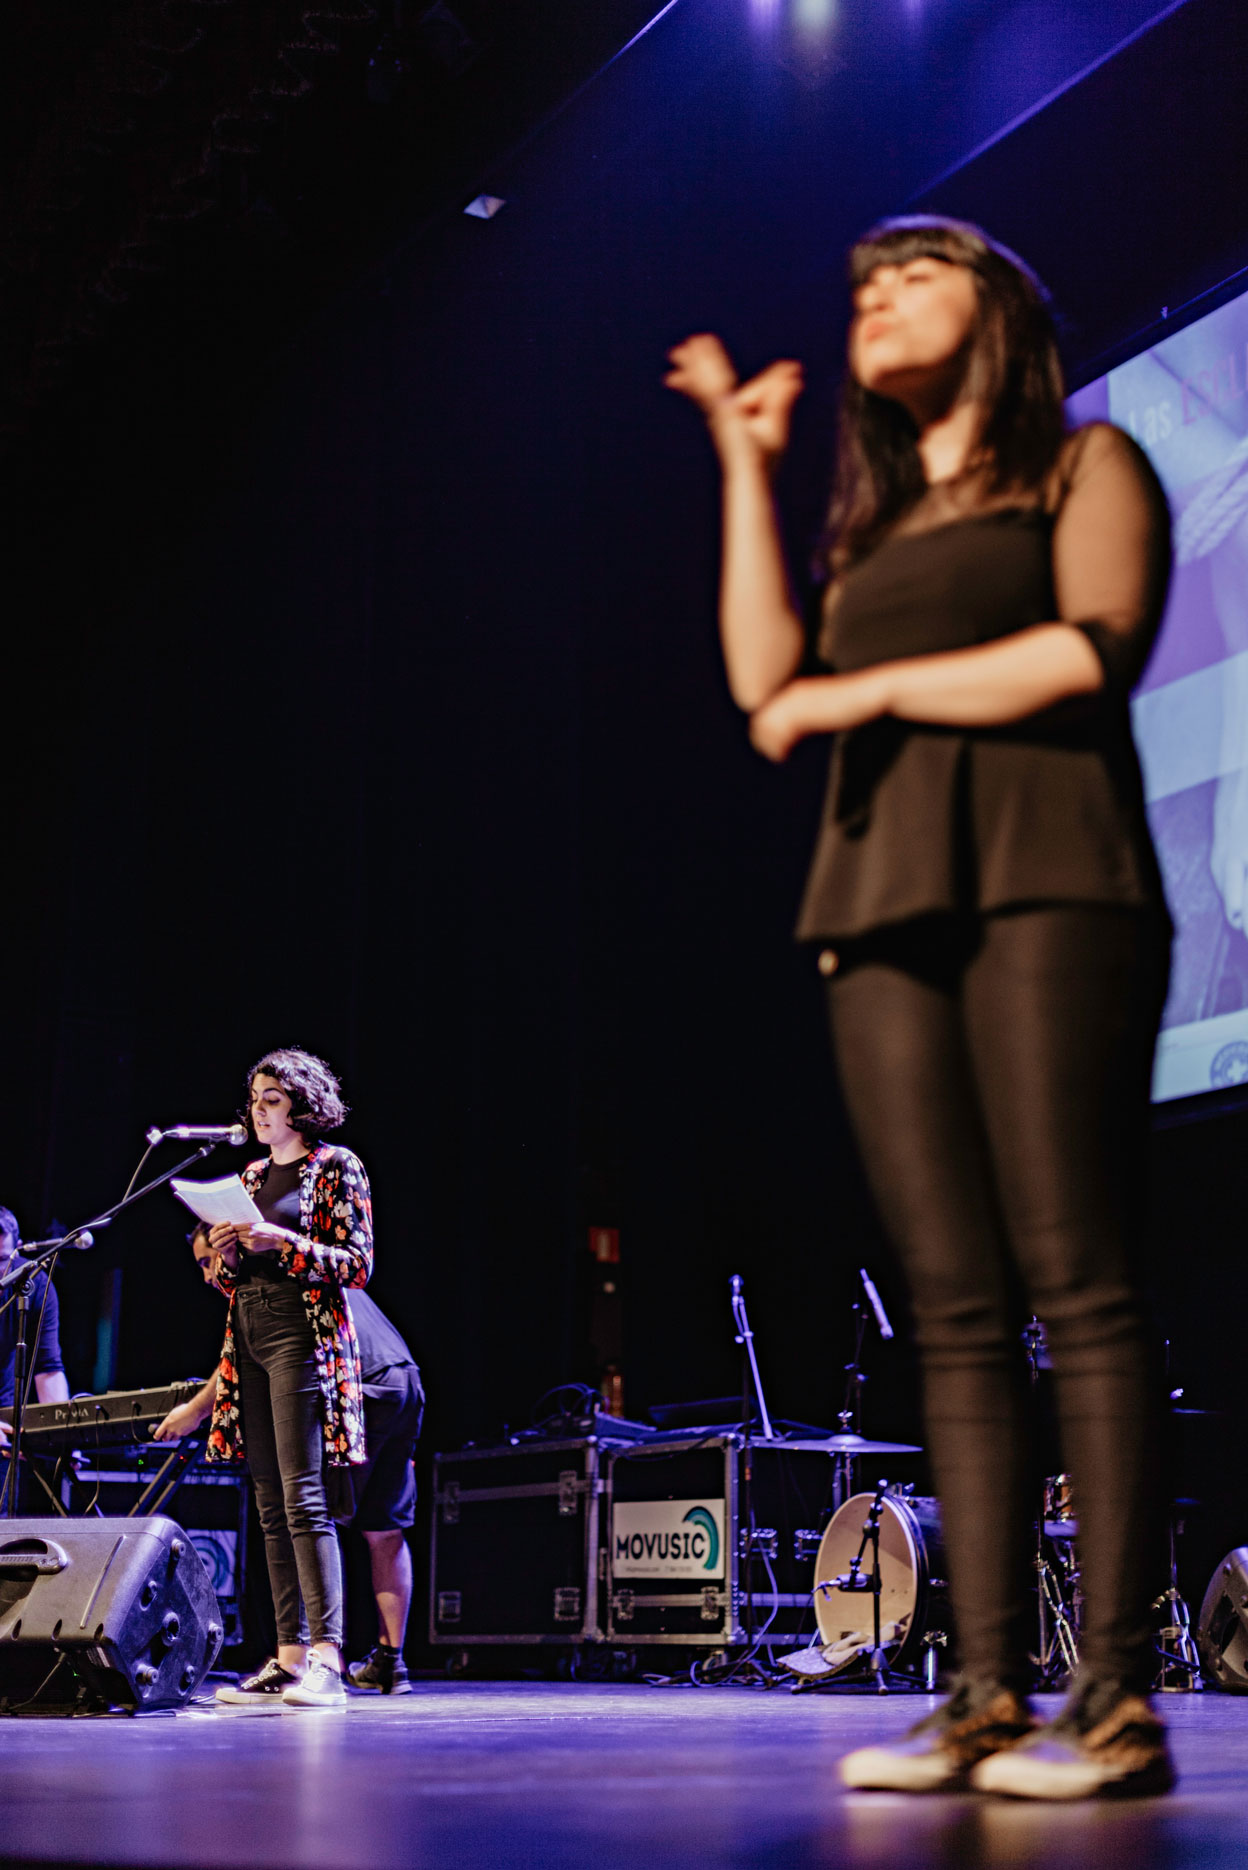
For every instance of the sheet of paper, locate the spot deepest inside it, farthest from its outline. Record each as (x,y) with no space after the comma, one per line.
(223,1200)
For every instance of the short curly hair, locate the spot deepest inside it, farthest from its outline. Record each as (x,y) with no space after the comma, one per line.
(316,1103)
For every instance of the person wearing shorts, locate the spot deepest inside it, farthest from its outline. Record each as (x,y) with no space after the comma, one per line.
(379,1498)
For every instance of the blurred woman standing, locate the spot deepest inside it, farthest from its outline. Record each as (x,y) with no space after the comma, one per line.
(991,928)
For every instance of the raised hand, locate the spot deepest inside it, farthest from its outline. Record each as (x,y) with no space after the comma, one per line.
(702,370)
(759,410)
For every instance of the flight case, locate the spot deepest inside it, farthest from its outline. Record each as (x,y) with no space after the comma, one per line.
(711,1543)
(631,1543)
(516,1545)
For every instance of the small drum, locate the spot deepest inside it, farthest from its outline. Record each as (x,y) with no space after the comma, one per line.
(913,1593)
(1059,1508)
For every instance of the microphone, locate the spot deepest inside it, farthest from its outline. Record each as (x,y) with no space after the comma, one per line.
(78,1241)
(877,1303)
(233,1133)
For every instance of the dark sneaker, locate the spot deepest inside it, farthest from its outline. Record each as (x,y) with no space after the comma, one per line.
(1107,1746)
(384,1672)
(264,1689)
(938,1754)
(321,1687)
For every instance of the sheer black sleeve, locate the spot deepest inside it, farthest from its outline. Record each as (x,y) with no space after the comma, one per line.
(1111,551)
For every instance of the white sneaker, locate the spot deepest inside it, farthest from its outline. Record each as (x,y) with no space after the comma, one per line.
(321,1687)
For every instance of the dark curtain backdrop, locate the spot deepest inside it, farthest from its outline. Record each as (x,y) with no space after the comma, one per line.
(376,708)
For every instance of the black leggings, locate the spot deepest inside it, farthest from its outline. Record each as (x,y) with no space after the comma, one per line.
(996,1072)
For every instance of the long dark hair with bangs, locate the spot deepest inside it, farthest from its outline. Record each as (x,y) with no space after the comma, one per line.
(1013,371)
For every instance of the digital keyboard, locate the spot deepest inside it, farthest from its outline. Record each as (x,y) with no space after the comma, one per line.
(117,1419)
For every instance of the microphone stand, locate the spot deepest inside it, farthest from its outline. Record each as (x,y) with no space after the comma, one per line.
(850,1415)
(746,1337)
(23,1277)
(856,1580)
(849,1418)
(750,1381)
(38,1253)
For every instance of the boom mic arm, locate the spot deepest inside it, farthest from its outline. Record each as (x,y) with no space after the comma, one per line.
(235,1134)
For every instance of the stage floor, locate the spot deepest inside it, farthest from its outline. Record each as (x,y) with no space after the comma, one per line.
(572,1777)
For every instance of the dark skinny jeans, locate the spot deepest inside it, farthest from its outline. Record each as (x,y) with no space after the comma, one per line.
(996,1072)
(282,1413)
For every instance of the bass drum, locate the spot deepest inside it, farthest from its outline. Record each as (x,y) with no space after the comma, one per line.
(913,1591)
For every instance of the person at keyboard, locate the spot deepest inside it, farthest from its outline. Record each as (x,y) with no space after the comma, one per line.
(43,1336)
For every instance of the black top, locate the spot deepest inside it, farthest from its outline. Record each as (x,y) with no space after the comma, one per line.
(278,1201)
(381,1348)
(922,819)
(46,1354)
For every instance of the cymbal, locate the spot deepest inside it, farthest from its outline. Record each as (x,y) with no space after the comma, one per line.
(852,1445)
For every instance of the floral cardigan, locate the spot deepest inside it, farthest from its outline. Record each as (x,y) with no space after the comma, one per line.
(334,1250)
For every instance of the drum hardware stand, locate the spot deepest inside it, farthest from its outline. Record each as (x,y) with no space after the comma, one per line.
(1180,1671)
(34,1255)
(1058,1649)
(1059,1645)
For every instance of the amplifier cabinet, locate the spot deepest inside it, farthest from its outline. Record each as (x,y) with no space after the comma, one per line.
(516,1544)
(707,1541)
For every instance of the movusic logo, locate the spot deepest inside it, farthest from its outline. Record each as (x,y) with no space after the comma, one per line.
(699,1517)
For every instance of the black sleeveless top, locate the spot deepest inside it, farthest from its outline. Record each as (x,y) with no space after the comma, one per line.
(921,819)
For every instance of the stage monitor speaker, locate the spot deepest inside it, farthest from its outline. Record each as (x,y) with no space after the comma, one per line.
(1222,1634)
(99,1614)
